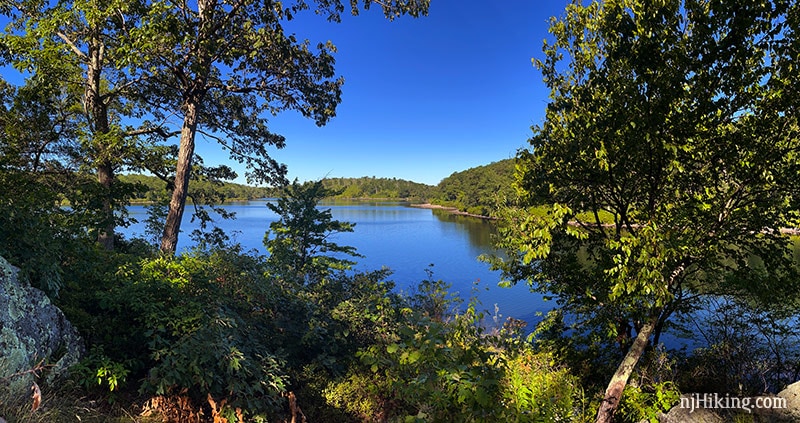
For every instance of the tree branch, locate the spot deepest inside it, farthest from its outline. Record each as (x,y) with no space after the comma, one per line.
(72,46)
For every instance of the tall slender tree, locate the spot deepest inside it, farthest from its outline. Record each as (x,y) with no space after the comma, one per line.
(225,64)
(665,164)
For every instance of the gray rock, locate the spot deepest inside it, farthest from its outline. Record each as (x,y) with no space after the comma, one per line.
(792,396)
(32,329)
(680,414)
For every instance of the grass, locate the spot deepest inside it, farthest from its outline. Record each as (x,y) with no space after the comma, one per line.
(64,404)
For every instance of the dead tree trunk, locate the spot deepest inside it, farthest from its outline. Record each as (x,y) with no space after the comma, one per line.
(620,379)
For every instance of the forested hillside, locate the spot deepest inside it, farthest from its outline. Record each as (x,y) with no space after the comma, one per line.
(473,190)
(478,189)
(372,187)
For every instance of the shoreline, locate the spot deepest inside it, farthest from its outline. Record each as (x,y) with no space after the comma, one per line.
(451,210)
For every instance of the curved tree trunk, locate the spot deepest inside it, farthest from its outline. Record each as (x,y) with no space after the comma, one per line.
(194,91)
(620,379)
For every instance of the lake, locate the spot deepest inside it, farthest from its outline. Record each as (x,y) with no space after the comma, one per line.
(392,234)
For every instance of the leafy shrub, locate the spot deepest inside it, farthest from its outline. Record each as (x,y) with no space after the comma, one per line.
(537,389)
(436,367)
(652,389)
(323,325)
(195,325)
(638,404)
(204,328)
(434,371)
(97,371)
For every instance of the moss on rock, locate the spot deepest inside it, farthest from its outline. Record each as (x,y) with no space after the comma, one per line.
(32,329)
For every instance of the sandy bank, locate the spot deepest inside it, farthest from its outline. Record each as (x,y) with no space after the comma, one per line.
(451,210)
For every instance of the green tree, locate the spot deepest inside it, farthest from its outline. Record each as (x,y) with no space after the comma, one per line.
(38,166)
(300,248)
(80,44)
(664,116)
(225,64)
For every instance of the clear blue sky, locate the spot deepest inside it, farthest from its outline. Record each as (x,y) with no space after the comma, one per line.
(424,97)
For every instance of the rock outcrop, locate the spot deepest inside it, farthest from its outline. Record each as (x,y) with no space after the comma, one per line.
(679,414)
(32,329)
(792,396)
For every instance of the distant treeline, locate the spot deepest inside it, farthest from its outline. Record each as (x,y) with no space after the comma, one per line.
(157,190)
(474,190)
(372,187)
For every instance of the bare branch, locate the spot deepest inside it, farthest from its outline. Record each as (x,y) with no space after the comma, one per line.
(72,46)
(154,130)
(35,371)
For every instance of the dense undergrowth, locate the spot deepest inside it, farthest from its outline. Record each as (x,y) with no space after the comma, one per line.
(216,327)
(215,333)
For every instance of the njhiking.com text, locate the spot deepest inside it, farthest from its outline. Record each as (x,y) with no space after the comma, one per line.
(725,402)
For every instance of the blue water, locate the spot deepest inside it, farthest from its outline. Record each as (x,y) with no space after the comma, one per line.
(391,234)
(406,240)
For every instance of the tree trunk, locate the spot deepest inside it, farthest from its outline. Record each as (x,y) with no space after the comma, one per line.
(194,91)
(98,112)
(169,241)
(617,384)
(105,176)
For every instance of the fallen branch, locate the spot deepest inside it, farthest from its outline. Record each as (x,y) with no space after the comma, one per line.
(35,371)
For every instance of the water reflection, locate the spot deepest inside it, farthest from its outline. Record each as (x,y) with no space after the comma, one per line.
(480,231)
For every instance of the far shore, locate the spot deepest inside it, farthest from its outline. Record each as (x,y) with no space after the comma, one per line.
(451,210)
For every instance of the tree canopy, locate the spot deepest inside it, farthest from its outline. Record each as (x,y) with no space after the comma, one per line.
(674,118)
(226,65)
(80,47)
